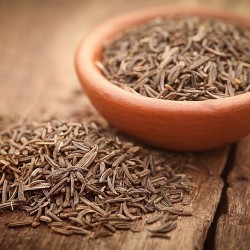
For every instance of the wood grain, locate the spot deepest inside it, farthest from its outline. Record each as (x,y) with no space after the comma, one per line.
(235,224)
(38,80)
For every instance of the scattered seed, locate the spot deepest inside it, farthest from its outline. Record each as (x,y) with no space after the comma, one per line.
(160,235)
(62,231)
(154,219)
(19,223)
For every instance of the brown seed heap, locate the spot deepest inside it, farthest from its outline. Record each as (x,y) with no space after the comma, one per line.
(180,59)
(79,178)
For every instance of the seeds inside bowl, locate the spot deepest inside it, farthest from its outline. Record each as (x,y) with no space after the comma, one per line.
(180,59)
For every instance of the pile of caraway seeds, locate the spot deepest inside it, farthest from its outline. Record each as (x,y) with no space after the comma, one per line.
(81,178)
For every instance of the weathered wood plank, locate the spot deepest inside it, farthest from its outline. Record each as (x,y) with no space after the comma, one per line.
(37,45)
(233,228)
(37,79)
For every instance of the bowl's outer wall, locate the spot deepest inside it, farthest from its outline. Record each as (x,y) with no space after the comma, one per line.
(175,125)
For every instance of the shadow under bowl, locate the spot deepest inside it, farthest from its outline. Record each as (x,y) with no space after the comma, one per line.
(186,126)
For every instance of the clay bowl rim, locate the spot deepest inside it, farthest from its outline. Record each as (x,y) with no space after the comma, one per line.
(90,48)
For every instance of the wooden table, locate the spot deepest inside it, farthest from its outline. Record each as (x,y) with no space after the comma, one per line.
(37,80)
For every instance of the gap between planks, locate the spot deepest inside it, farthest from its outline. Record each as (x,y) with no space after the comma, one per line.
(222,206)
(233,227)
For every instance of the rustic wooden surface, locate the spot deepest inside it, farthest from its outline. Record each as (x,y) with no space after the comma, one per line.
(37,80)
(235,223)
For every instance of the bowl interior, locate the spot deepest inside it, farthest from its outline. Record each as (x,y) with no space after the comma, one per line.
(95,41)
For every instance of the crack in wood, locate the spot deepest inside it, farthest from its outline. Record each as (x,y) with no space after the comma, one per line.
(222,207)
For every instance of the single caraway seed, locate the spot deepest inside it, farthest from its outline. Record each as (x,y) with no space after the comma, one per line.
(62,231)
(19,223)
(45,219)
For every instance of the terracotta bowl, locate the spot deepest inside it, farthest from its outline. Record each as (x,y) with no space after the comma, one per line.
(186,126)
